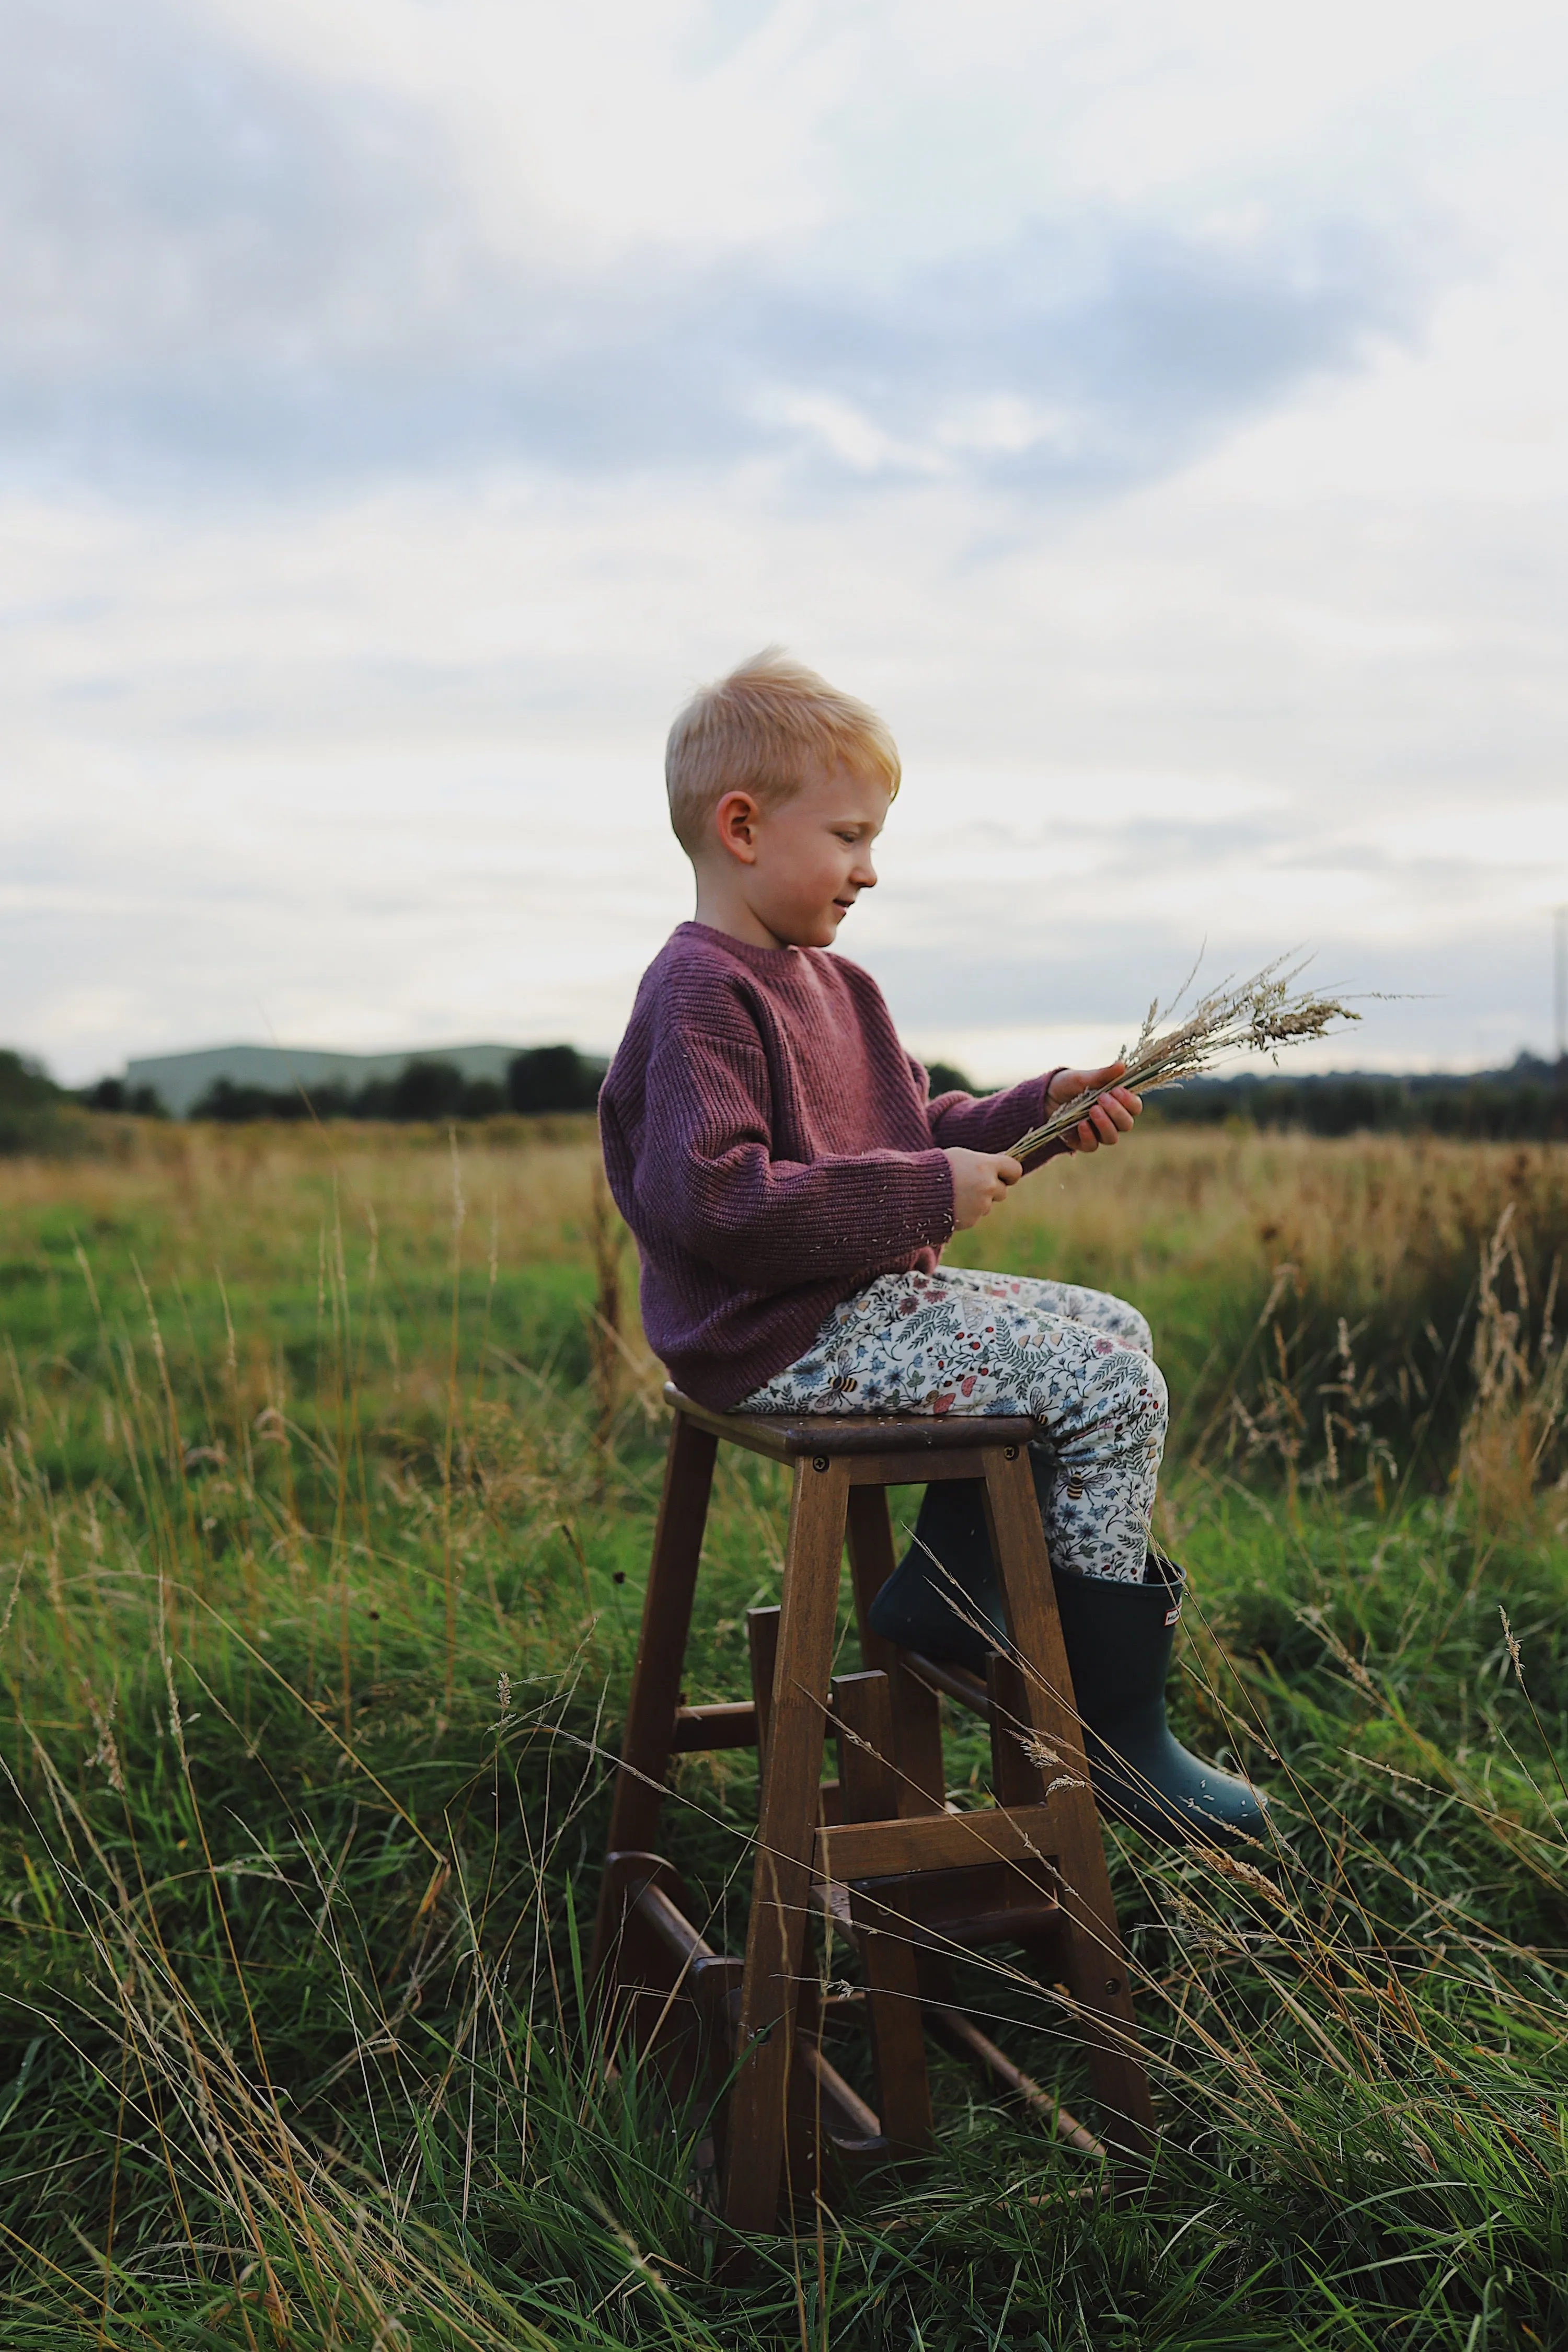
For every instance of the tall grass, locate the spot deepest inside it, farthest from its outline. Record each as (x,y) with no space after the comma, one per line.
(326,1482)
(1315,1302)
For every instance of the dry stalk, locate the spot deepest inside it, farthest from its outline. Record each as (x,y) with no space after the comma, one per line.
(1520,1405)
(1257,1015)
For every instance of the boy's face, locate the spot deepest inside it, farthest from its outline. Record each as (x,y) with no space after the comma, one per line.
(799,867)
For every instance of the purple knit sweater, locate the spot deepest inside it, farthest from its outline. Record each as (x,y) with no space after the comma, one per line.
(773,1147)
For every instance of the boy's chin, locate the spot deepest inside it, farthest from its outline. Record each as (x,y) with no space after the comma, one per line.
(818,933)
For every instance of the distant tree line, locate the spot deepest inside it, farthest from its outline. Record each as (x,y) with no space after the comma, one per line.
(37,1116)
(1527,1103)
(113,1093)
(29,1103)
(545,1079)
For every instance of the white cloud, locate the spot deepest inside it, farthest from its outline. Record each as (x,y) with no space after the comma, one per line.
(1153,407)
(261,275)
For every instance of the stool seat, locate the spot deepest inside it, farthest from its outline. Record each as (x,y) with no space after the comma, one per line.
(787,1435)
(877,1855)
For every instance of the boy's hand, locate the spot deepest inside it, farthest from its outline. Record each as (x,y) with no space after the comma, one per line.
(1112,1115)
(980,1179)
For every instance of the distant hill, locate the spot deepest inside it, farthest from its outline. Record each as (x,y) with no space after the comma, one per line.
(236,1083)
(180,1080)
(427,1087)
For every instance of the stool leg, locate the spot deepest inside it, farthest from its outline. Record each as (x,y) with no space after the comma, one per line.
(917,1711)
(781,1891)
(762,1642)
(1015,1781)
(1097,1965)
(661,1654)
(870,1565)
(863,1707)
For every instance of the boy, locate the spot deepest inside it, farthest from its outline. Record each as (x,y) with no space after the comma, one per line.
(791,1186)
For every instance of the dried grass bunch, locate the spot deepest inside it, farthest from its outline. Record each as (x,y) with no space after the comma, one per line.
(1257,1015)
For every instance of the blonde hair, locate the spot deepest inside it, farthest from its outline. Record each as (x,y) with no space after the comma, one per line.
(761,730)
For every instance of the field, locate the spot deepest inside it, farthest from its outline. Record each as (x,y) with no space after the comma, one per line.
(328,1468)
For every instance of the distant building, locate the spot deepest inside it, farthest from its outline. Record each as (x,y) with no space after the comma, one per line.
(180,1080)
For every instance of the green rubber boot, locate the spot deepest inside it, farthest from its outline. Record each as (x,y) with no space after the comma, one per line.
(1119,1638)
(942,1600)
(945,1580)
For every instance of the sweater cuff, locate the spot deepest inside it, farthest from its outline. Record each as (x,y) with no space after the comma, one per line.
(1059,1149)
(941,1227)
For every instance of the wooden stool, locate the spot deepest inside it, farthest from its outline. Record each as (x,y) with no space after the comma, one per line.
(907,1878)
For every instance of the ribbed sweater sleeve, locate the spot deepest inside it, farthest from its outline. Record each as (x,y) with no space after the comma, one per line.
(988,1123)
(706,1177)
(995,1122)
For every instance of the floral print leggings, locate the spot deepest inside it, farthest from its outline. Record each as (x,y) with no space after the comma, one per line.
(1078,1360)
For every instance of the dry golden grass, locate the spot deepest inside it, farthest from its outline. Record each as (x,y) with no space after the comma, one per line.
(1315,1303)
(1369,1214)
(1370,1249)
(223,1187)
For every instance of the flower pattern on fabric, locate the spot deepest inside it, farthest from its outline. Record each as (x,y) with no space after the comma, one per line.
(1079,1361)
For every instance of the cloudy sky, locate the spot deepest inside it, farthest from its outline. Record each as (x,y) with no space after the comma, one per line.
(1156,406)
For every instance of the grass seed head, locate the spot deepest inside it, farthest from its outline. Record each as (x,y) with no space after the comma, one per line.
(1258,1016)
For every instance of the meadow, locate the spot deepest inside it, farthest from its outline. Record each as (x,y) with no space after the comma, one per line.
(327,1466)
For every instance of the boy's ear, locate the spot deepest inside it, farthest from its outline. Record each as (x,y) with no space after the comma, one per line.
(735,823)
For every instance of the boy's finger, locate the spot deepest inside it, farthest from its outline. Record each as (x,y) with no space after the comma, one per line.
(1008,1168)
(1068,1083)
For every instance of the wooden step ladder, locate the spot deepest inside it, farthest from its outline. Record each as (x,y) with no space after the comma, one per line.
(910,1881)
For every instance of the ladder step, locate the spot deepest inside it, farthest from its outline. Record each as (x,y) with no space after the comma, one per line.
(1012,1923)
(1002,1903)
(936,1841)
(727,1723)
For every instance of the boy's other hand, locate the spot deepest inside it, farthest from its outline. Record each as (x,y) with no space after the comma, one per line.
(1112,1117)
(980,1179)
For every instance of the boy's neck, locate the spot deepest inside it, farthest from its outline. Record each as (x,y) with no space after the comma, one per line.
(725,909)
